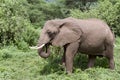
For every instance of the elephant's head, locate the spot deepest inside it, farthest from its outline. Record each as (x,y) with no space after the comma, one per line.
(58,33)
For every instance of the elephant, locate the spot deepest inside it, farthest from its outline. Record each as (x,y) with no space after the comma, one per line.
(92,37)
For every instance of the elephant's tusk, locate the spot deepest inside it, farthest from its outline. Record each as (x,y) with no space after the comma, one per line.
(41,46)
(36,47)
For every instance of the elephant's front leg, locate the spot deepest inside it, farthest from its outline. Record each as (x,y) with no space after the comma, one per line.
(63,60)
(71,50)
(63,57)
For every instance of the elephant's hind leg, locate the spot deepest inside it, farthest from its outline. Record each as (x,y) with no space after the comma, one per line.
(109,55)
(91,60)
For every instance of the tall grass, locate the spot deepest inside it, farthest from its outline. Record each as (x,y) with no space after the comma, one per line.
(19,65)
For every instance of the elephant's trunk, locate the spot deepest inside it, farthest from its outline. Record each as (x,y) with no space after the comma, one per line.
(44,54)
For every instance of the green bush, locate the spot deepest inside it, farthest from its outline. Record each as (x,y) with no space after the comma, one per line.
(41,10)
(15,26)
(4,54)
(106,10)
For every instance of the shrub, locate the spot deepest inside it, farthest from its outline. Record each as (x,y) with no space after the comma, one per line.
(106,10)
(15,26)
(4,54)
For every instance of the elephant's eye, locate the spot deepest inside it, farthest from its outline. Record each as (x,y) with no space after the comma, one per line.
(48,32)
(51,34)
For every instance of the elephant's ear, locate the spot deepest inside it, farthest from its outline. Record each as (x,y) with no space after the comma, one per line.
(68,33)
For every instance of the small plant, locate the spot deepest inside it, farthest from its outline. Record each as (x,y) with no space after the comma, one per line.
(5,54)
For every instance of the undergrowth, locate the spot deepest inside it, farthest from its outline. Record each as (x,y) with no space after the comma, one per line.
(19,65)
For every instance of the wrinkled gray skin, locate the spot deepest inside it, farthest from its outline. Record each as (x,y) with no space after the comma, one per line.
(91,36)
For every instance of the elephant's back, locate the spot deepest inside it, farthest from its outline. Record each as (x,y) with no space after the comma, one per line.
(94,28)
(93,25)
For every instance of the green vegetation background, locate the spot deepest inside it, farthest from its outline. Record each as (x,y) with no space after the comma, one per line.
(20,25)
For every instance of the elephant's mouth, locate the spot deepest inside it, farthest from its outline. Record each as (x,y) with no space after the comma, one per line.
(44,50)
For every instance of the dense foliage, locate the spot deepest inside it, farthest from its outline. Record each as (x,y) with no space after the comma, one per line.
(15,27)
(107,10)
